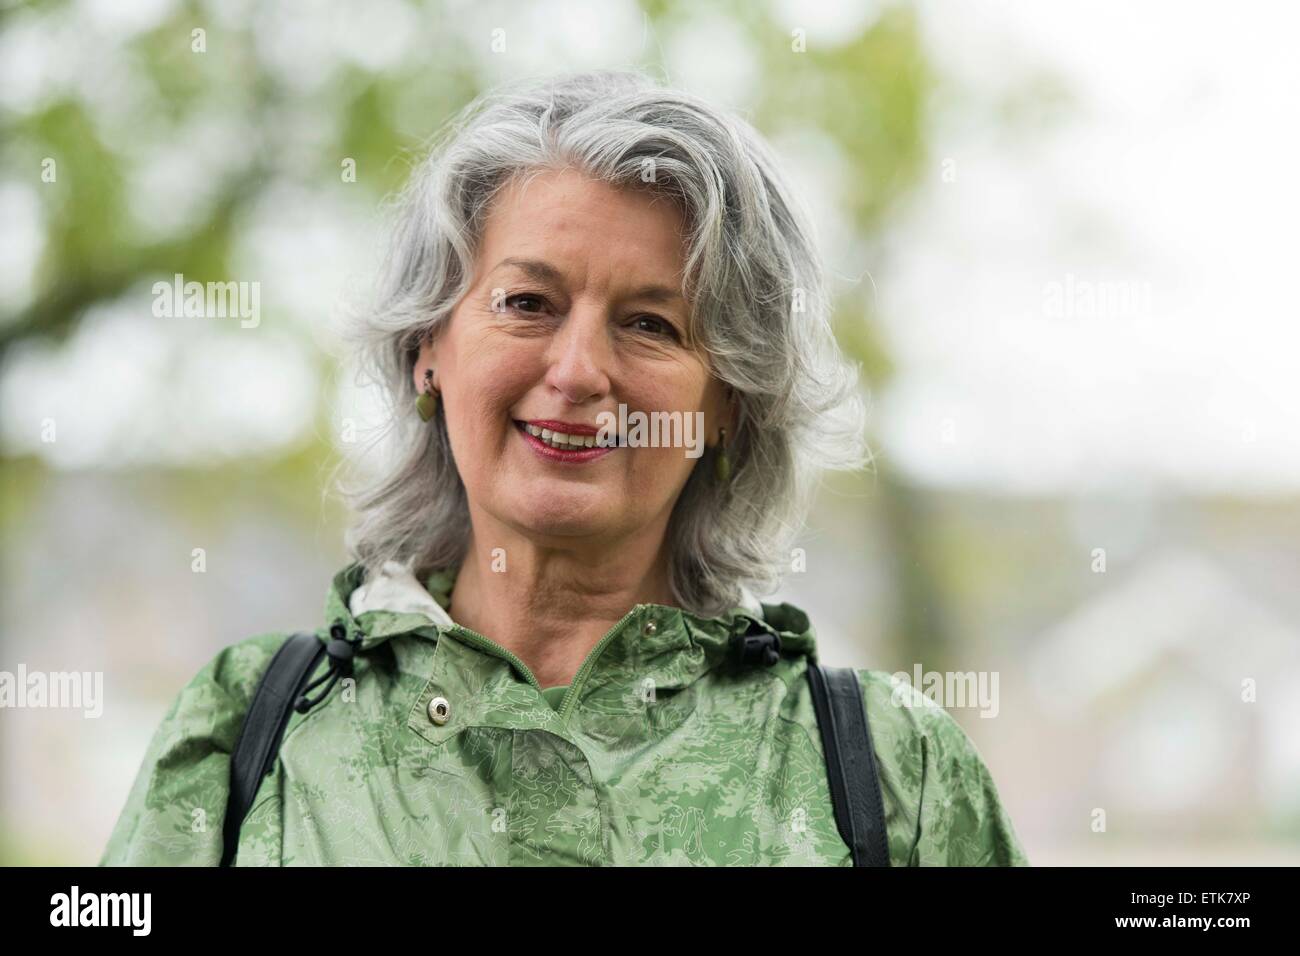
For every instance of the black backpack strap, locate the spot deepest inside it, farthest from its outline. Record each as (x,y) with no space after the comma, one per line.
(259,738)
(850,762)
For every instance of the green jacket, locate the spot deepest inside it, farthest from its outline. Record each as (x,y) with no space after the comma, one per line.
(663,751)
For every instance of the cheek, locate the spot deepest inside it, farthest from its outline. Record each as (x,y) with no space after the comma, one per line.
(655,479)
(493,376)
(485,386)
(667,469)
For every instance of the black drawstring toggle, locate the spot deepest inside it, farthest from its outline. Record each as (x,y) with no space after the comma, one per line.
(340,650)
(756,646)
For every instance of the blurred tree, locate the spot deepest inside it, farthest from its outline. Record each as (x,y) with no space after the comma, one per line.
(867,94)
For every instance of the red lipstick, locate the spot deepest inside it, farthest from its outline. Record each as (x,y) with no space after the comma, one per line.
(564,428)
(575,456)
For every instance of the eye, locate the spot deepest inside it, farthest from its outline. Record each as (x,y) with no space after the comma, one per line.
(526,302)
(661,326)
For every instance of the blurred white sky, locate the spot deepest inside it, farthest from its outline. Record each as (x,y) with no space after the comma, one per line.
(1169,175)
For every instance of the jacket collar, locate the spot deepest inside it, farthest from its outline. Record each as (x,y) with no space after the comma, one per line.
(672,652)
(396,590)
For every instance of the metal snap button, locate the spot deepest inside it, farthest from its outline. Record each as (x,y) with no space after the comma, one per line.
(439,710)
(650,628)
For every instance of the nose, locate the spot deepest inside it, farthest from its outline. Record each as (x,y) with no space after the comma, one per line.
(580,355)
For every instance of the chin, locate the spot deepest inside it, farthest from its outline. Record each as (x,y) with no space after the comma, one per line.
(562,512)
(559,527)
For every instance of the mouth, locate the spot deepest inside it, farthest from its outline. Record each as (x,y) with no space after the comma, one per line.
(580,444)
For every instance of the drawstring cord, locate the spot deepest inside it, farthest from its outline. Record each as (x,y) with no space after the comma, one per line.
(340,651)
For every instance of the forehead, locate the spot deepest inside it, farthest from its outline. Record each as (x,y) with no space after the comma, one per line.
(565,216)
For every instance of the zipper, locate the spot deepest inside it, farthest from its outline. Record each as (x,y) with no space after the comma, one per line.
(570,698)
(492,647)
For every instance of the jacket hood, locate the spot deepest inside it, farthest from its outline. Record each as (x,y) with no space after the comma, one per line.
(396,602)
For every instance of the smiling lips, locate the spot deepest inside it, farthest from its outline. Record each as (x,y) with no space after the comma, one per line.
(563,441)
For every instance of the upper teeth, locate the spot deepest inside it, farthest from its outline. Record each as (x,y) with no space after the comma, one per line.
(561,440)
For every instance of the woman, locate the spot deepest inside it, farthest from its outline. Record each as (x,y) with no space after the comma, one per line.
(545,589)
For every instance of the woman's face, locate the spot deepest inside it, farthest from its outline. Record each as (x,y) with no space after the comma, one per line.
(575,308)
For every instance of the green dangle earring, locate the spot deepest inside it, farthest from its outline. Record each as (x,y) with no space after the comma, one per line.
(427,402)
(722,460)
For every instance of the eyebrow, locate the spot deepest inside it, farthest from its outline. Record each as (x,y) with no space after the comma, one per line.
(541,271)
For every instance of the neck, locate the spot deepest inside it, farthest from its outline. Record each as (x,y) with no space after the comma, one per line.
(550,602)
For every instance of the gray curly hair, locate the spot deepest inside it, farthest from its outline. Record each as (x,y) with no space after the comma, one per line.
(760,314)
